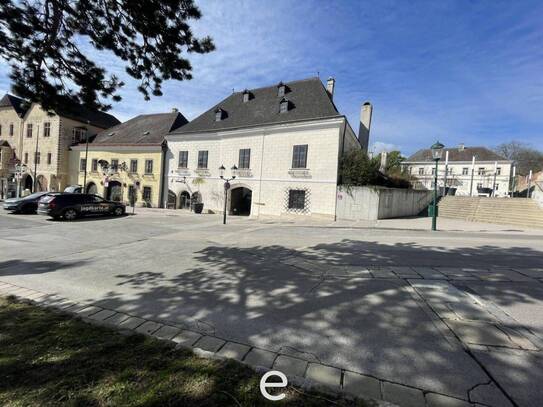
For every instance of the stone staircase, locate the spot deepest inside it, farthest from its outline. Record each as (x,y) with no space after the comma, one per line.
(509,211)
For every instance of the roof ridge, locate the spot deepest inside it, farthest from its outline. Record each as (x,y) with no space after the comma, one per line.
(272,86)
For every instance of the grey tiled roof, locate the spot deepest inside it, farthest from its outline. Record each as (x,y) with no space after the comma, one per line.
(84,115)
(147,129)
(307,98)
(76,112)
(15,102)
(457,154)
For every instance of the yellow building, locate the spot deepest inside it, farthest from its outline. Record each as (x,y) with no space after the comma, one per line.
(39,141)
(127,160)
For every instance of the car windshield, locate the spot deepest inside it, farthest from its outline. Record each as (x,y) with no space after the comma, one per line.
(35,195)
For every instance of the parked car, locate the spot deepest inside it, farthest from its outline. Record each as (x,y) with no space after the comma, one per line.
(71,206)
(26,204)
(73,189)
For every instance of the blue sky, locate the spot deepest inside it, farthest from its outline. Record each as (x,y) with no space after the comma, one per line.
(457,71)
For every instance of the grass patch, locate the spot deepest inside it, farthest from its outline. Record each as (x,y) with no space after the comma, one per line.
(51,358)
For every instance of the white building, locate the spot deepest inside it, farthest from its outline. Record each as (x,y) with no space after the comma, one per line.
(471,170)
(286,141)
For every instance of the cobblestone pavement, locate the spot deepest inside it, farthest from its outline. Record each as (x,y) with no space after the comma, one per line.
(411,317)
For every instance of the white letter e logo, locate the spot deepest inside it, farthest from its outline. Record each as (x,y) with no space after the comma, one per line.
(264,384)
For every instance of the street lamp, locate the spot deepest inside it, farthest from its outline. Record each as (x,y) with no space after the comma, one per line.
(226,186)
(437,152)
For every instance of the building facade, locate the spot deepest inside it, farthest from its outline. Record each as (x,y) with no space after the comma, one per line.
(126,160)
(284,141)
(40,141)
(470,170)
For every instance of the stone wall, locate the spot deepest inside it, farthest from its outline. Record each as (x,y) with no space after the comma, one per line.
(372,203)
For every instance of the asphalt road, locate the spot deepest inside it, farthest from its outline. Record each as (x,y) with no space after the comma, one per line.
(457,313)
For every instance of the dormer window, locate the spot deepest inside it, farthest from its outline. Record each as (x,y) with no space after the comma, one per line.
(281,89)
(246,96)
(283,105)
(219,115)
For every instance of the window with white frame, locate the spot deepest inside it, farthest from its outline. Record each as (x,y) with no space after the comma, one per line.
(465,171)
(299,156)
(244,158)
(133,166)
(202,159)
(46,129)
(148,166)
(421,171)
(183,161)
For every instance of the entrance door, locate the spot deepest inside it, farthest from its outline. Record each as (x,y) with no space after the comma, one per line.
(184,200)
(92,188)
(240,201)
(114,191)
(29,183)
(172,200)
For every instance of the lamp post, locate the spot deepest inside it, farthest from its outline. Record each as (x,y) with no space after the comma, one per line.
(437,152)
(226,186)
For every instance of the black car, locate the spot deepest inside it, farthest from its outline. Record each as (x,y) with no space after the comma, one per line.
(27,204)
(70,206)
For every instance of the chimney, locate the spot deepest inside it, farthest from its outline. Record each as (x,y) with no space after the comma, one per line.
(461,147)
(330,83)
(174,110)
(365,125)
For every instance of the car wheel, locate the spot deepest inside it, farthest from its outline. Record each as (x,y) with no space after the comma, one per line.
(118,211)
(70,214)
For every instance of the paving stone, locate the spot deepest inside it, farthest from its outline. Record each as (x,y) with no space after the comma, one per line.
(76,308)
(209,343)
(429,273)
(382,273)
(148,327)
(186,338)
(234,350)
(471,311)
(90,310)
(260,357)
(329,376)
(438,400)
(404,272)
(116,319)
(290,366)
(167,332)
(361,386)
(402,395)
(101,315)
(490,395)
(481,333)
(35,295)
(131,323)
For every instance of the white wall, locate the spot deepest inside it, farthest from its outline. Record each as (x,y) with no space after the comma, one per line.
(372,203)
(270,176)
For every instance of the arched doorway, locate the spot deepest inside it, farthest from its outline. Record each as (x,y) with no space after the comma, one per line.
(240,201)
(28,183)
(54,184)
(184,200)
(41,183)
(172,200)
(114,191)
(92,188)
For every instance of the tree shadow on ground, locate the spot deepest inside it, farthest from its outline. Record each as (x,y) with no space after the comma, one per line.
(372,326)
(52,359)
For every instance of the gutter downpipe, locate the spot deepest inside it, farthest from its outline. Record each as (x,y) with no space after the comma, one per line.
(163,173)
(339,179)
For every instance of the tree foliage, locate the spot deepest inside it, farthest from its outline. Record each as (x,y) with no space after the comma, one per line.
(357,169)
(44,43)
(525,157)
